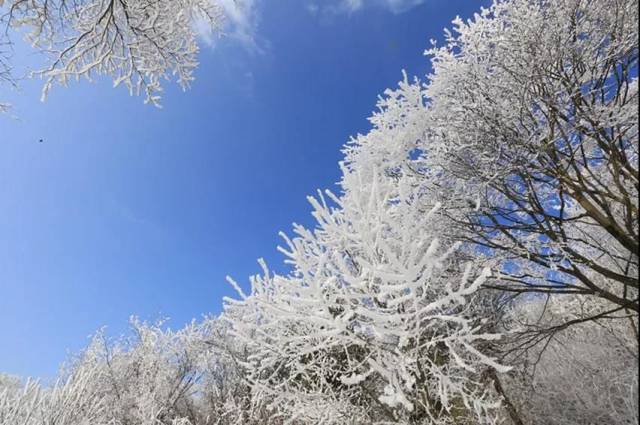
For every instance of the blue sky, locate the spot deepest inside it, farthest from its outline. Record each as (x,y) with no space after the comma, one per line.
(125,209)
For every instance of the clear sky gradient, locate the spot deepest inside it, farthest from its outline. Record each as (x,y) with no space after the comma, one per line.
(125,209)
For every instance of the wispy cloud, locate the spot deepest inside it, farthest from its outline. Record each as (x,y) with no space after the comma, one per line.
(241,25)
(352,6)
(243,16)
(121,211)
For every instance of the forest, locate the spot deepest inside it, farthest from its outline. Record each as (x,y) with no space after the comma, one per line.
(477,263)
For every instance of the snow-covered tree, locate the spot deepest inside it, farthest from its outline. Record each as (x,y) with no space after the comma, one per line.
(74,400)
(583,373)
(513,169)
(526,132)
(9,382)
(376,322)
(137,43)
(533,120)
(152,377)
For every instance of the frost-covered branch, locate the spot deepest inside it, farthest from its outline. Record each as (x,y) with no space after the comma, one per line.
(138,43)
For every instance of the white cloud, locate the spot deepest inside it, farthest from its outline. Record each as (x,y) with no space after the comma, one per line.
(399,6)
(242,17)
(241,25)
(313,8)
(351,6)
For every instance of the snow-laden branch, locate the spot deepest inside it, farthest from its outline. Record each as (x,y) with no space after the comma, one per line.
(138,43)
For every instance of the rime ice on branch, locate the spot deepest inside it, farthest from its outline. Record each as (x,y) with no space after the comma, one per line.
(137,43)
(375,322)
